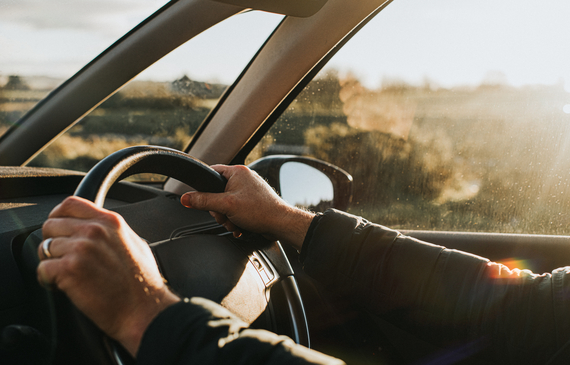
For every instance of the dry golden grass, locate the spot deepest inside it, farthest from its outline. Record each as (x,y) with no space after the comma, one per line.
(97,147)
(71,152)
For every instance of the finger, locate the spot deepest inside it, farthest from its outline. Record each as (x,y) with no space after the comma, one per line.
(230,226)
(224,170)
(204,201)
(65,227)
(220,218)
(57,248)
(46,272)
(224,221)
(41,247)
(76,207)
(229,171)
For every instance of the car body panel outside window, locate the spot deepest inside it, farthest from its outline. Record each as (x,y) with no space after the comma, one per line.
(458,130)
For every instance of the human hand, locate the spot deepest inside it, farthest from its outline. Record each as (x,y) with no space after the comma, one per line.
(250,203)
(105,268)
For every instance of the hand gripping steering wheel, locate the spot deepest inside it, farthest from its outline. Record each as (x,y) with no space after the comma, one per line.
(178,258)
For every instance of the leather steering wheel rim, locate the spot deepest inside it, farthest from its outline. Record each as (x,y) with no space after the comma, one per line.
(97,347)
(95,186)
(148,159)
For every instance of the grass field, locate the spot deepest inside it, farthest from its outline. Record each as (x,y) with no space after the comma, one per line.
(486,158)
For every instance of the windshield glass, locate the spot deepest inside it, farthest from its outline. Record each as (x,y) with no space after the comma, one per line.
(44,42)
(166,103)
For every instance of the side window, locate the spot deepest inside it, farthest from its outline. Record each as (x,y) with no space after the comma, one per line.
(440,133)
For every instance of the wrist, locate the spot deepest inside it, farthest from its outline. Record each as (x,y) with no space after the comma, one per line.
(135,328)
(294,226)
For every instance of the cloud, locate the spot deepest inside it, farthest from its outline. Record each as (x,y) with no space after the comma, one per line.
(90,15)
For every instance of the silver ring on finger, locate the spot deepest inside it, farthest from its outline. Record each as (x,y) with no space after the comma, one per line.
(45,248)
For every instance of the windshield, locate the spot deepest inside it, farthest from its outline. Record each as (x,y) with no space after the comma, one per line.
(44,42)
(164,105)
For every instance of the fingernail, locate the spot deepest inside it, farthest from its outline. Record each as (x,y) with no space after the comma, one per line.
(185,200)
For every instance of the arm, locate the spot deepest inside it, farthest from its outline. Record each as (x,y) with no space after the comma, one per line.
(110,274)
(447,297)
(206,333)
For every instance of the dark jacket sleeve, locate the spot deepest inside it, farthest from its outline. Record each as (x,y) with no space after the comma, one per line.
(198,331)
(446,296)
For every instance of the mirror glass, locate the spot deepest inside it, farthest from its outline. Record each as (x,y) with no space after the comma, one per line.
(305,186)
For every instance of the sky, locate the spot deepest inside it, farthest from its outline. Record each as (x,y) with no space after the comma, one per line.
(448,42)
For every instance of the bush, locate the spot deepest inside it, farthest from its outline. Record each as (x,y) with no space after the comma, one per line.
(389,168)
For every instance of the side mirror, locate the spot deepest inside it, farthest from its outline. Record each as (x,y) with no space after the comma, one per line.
(306,182)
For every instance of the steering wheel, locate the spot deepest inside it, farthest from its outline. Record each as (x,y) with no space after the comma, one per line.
(152,159)
(238,273)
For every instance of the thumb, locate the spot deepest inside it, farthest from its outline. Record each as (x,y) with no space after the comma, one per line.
(202,201)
